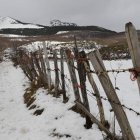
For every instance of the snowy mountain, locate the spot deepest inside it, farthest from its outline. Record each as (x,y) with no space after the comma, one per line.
(9,25)
(7,22)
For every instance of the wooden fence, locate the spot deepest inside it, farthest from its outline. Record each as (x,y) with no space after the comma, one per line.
(36,67)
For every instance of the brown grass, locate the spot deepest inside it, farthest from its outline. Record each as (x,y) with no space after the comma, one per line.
(29,98)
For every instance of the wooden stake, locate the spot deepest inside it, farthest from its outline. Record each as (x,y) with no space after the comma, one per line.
(33,66)
(65,99)
(43,67)
(134,47)
(48,66)
(96,91)
(99,67)
(71,68)
(36,62)
(26,66)
(56,73)
(82,77)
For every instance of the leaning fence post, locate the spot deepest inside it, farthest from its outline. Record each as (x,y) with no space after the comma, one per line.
(36,61)
(65,99)
(70,63)
(56,73)
(134,48)
(43,67)
(100,69)
(33,68)
(95,89)
(82,77)
(24,67)
(48,66)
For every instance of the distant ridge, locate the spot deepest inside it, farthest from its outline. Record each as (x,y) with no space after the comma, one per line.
(9,25)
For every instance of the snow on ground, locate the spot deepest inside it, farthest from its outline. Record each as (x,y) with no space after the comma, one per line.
(12,35)
(128,94)
(52,44)
(62,32)
(18,123)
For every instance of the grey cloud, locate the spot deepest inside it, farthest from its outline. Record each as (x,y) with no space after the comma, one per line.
(111,14)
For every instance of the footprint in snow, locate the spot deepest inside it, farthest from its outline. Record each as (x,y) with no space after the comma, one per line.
(24,130)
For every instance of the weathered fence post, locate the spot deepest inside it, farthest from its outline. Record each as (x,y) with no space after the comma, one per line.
(95,89)
(27,64)
(82,78)
(134,48)
(70,63)
(65,99)
(37,63)
(99,67)
(56,86)
(23,65)
(48,66)
(33,67)
(43,67)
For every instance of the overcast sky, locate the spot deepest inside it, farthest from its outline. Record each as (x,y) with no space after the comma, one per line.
(110,14)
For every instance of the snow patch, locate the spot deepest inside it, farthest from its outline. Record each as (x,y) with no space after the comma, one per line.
(7,22)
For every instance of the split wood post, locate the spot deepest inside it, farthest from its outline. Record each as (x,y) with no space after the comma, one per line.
(25,72)
(70,63)
(48,66)
(22,64)
(36,61)
(43,68)
(29,64)
(134,48)
(62,76)
(26,62)
(42,64)
(33,66)
(100,69)
(95,89)
(82,78)
(56,86)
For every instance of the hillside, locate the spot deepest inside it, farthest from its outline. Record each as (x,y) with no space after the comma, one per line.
(11,26)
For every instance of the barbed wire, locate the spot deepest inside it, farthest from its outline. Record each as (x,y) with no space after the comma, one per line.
(101,97)
(106,99)
(135,71)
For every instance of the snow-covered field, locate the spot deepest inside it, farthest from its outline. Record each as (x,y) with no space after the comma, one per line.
(57,122)
(18,123)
